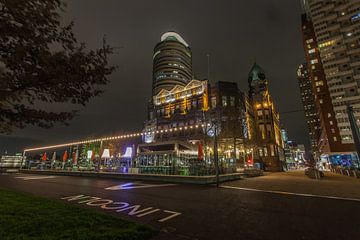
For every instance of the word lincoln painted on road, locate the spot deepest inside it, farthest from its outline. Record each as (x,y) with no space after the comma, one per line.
(133,210)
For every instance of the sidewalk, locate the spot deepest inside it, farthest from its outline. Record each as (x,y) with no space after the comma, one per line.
(297,182)
(142,177)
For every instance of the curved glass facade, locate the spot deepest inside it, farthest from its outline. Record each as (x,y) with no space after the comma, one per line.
(172,63)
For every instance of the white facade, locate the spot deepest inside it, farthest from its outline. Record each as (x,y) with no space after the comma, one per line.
(337,28)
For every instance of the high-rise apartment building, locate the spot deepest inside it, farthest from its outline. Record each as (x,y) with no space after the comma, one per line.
(309,105)
(331,32)
(172,63)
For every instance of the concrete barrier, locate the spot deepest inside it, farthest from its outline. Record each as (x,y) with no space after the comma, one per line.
(202,180)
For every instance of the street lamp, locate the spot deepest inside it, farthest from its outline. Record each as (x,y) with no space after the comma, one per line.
(211,129)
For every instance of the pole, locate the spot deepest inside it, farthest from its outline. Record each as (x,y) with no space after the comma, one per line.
(208,63)
(100,149)
(22,160)
(216,156)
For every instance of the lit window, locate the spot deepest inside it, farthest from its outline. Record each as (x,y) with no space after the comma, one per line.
(224,101)
(314,61)
(265,152)
(213,102)
(312,51)
(319,83)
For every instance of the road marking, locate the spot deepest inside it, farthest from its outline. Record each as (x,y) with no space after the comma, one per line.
(130,185)
(36,177)
(122,207)
(147,213)
(173,214)
(291,193)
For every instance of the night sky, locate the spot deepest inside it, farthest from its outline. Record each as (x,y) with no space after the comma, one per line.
(234,32)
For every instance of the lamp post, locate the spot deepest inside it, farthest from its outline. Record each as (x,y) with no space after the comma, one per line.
(216,154)
(211,129)
(22,160)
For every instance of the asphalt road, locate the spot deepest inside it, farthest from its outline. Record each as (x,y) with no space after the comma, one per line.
(204,212)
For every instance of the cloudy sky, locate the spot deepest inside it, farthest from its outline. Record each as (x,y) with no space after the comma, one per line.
(234,32)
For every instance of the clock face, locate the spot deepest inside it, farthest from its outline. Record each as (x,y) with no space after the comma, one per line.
(211,132)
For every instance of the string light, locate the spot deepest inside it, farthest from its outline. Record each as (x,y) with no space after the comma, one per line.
(112,138)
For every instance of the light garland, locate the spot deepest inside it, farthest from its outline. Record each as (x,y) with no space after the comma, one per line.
(110,138)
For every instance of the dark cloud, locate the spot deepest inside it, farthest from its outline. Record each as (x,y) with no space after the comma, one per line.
(234,32)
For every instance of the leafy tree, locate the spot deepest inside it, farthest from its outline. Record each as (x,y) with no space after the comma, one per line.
(41,61)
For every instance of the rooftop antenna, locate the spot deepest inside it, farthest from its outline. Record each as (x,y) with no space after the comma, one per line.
(208,66)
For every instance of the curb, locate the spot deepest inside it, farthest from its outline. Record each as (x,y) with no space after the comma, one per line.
(200,180)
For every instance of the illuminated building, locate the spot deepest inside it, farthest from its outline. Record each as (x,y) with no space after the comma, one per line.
(296,155)
(268,141)
(181,109)
(178,108)
(180,118)
(331,45)
(172,63)
(227,107)
(11,163)
(309,104)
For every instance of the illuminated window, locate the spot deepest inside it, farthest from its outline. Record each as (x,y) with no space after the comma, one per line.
(327,44)
(319,83)
(224,101)
(272,150)
(213,102)
(314,61)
